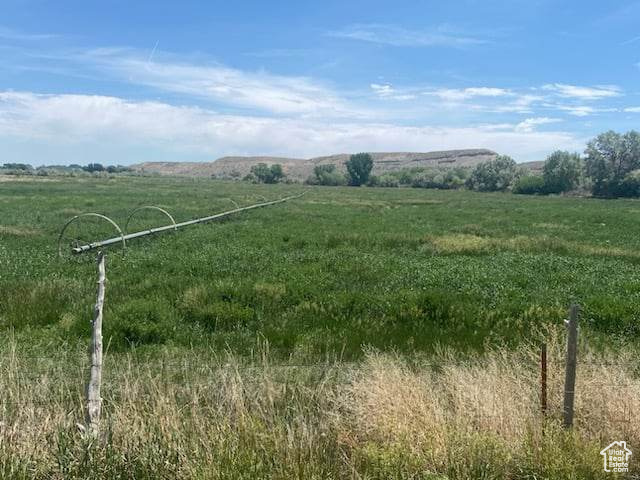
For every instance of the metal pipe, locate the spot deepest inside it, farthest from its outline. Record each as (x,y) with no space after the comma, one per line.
(217,216)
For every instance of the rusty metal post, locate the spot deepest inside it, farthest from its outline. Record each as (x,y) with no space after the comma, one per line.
(570,374)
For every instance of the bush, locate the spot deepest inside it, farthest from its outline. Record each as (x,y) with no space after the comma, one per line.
(441,178)
(387,181)
(610,158)
(359,168)
(326,175)
(562,172)
(94,167)
(17,166)
(216,308)
(374,181)
(263,173)
(493,175)
(530,185)
(628,187)
(140,322)
(118,169)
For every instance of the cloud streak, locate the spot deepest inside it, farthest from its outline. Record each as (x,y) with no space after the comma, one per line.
(393,35)
(258,90)
(584,93)
(530,124)
(451,94)
(10,34)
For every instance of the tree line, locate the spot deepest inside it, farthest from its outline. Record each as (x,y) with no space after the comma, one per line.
(26,169)
(610,167)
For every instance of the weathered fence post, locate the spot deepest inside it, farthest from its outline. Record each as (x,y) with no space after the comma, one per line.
(543,380)
(93,387)
(570,374)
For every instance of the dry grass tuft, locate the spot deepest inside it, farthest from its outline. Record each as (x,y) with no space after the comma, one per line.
(462,243)
(17,231)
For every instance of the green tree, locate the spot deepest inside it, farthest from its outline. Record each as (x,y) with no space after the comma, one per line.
(277,173)
(529,185)
(493,175)
(94,167)
(17,166)
(561,172)
(610,157)
(359,168)
(327,175)
(267,174)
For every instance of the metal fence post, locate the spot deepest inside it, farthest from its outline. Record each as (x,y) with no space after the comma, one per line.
(570,374)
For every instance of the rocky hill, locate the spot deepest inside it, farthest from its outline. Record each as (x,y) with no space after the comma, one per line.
(534,167)
(300,169)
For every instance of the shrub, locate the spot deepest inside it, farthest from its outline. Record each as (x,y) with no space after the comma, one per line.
(387,181)
(529,185)
(628,187)
(493,175)
(140,322)
(610,158)
(359,168)
(94,167)
(17,166)
(438,178)
(562,171)
(266,174)
(31,304)
(374,181)
(216,307)
(326,175)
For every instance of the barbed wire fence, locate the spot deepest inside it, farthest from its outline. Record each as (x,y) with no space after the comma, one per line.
(67,377)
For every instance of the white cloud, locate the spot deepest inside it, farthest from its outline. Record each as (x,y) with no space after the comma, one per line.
(631,40)
(65,121)
(577,110)
(456,95)
(632,109)
(382,90)
(10,34)
(521,103)
(529,124)
(251,90)
(397,36)
(584,93)
(387,91)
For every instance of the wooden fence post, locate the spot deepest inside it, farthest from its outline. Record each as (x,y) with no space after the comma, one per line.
(93,387)
(543,379)
(570,374)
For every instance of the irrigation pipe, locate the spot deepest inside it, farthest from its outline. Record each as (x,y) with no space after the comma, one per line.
(143,233)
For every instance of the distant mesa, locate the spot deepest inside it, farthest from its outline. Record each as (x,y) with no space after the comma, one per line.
(300,169)
(534,167)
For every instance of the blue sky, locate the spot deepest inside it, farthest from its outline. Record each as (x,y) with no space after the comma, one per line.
(126,82)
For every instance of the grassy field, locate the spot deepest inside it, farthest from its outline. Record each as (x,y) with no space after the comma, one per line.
(351,333)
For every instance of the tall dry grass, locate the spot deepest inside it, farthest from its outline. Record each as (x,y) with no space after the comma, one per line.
(386,417)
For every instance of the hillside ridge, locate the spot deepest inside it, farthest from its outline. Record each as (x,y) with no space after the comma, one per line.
(300,168)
